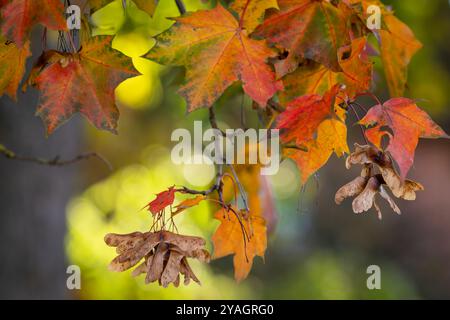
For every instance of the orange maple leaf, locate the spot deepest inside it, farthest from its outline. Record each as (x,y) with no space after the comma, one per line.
(397,46)
(397,43)
(188,203)
(12,66)
(331,137)
(407,122)
(303,115)
(216,50)
(242,237)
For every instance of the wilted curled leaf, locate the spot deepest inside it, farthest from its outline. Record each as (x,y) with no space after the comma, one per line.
(164,255)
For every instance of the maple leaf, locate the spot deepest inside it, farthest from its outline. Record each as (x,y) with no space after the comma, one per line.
(83,82)
(216,52)
(12,66)
(331,137)
(252,12)
(397,43)
(314,78)
(311,29)
(407,122)
(397,46)
(163,200)
(20,16)
(243,238)
(148,6)
(188,203)
(303,115)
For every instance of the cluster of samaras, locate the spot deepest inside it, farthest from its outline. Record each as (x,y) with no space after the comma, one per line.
(164,253)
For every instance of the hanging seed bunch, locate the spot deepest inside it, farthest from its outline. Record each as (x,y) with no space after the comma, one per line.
(378,174)
(164,253)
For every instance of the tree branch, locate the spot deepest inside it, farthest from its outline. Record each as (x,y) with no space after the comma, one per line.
(181,7)
(56,162)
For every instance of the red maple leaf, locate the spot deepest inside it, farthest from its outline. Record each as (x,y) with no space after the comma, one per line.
(163,200)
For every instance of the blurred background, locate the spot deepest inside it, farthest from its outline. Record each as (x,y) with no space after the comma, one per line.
(55,217)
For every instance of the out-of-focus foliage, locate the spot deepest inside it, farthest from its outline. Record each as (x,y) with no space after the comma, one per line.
(133,30)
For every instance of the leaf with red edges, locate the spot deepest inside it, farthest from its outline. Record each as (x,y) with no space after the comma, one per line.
(83,82)
(303,115)
(407,122)
(216,52)
(20,16)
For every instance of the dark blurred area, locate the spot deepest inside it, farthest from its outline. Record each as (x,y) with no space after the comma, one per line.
(55,217)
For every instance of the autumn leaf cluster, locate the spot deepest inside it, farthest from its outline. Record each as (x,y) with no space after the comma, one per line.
(303,63)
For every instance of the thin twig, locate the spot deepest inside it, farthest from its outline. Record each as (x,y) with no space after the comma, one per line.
(55,162)
(181,7)
(359,119)
(241,188)
(369,94)
(294,146)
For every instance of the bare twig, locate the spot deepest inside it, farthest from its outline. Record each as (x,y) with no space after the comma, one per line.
(241,188)
(181,7)
(294,146)
(218,186)
(55,162)
(275,106)
(359,119)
